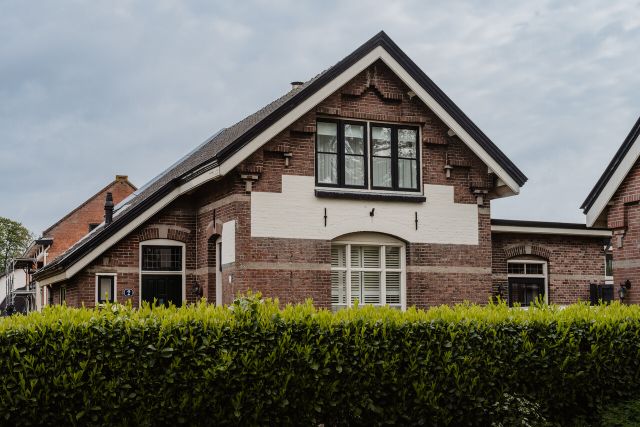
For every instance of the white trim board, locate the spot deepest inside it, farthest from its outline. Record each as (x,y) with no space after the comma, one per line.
(229,164)
(549,230)
(613,183)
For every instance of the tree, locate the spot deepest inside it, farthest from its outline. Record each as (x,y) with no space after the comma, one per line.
(14,240)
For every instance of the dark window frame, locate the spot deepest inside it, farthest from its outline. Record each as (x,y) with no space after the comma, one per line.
(395,158)
(341,154)
(63,294)
(177,269)
(93,226)
(112,296)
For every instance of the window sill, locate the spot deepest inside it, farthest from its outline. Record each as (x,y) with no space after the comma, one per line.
(392,197)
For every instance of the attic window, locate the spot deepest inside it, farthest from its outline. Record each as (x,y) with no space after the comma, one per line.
(367,156)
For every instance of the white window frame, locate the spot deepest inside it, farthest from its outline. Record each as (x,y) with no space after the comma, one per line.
(115,286)
(369,239)
(544,275)
(182,273)
(608,280)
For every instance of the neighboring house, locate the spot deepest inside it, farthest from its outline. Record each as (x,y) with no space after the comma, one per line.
(365,183)
(614,203)
(57,239)
(15,278)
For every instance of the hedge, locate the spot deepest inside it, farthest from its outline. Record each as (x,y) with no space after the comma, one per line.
(254,363)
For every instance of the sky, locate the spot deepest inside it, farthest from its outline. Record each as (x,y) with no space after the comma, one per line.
(91,89)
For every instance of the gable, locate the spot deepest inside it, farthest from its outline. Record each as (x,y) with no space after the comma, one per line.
(223,152)
(613,176)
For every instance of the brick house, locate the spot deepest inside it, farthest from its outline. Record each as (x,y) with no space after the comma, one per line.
(366,182)
(59,237)
(614,203)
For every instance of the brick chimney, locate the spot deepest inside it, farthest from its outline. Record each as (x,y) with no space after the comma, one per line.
(108,209)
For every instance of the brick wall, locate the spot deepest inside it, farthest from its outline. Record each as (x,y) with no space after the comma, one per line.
(573,262)
(623,217)
(75,225)
(296,269)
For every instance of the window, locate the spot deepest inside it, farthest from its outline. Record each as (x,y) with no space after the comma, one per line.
(527,282)
(63,294)
(608,266)
(342,158)
(162,258)
(371,274)
(105,288)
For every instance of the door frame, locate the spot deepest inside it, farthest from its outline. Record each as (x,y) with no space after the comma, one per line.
(183,273)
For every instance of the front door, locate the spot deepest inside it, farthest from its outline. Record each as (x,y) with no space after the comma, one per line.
(164,289)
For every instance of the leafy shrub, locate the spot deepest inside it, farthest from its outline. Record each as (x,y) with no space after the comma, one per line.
(625,414)
(253,363)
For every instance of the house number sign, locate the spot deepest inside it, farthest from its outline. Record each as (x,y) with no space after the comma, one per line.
(128,292)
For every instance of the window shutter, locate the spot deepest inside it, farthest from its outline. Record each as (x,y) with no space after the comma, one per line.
(607,293)
(393,288)
(593,293)
(356,285)
(338,255)
(371,287)
(392,257)
(371,256)
(356,256)
(338,287)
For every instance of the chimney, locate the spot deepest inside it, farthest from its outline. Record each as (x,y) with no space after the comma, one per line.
(296,85)
(121,178)
(108,209)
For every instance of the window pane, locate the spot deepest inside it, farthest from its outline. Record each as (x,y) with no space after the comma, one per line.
(525,293)
(381,141)
(162,258)
(534,268)
(392,257)
(393,287)
(105,291)
(356,284)
(338,287)
(327,137)
(515,268)
(353,139)
(608,265)
(327,168)
(407,140)
(338,256)
(407,173)
(356,256)
(354,170)
(371,256)
(381,172)
(371,287)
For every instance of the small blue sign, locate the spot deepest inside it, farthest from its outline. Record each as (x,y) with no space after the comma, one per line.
(128,292)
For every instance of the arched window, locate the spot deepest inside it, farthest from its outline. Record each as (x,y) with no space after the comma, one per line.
(527,280)
(369,268)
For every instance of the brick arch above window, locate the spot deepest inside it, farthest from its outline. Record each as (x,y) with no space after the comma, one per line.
(520,250)
(164,231)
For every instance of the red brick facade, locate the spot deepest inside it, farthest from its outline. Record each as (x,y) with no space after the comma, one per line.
(75,225)
(573,262)
(623,218)
(296,269)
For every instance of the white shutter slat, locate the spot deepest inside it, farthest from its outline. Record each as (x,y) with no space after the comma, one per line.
(338,287)
(371,287)
(371,256)
(338,256)
(356,285)
(392,257)
(393,288)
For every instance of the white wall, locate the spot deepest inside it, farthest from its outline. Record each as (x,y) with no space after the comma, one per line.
(228,242)
(19,281)
(297,213)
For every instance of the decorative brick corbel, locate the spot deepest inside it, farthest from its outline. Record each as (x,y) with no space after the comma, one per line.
(248,181)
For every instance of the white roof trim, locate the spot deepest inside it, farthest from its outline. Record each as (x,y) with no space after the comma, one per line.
(550,230)
(613,183)
(340,80)
(279,126)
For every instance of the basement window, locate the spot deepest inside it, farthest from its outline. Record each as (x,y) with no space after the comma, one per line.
(367,273)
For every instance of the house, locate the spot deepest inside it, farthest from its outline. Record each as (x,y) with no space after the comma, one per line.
(24,292)
(364,183)
(614,203)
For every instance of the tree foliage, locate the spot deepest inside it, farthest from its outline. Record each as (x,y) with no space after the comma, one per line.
(14,240)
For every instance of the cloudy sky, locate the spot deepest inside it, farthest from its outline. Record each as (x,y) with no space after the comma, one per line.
(91,89)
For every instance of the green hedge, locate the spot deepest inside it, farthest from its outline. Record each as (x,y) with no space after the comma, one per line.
(253,363)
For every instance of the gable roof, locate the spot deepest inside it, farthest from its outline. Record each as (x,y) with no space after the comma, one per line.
(613,175)
(119,178)
(221,152)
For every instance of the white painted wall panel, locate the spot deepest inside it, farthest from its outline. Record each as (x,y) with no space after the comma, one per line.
(228,242)
(296,213)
